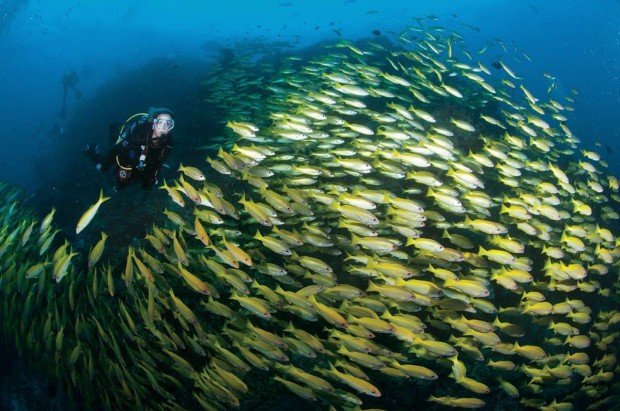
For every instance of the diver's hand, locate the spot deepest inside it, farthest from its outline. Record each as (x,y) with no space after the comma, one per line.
(93,154)
(89,149)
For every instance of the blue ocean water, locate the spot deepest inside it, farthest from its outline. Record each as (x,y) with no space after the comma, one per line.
(125,56)
(577,42)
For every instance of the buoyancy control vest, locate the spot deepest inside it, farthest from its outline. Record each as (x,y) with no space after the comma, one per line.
(132,142)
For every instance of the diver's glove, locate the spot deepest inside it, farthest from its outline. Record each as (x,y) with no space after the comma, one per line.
(90,151)
(93,154)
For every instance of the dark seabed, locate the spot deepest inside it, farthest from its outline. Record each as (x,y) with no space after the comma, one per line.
(432,213)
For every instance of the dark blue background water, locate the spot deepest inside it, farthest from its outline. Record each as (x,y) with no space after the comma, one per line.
(131,54)
(109,43)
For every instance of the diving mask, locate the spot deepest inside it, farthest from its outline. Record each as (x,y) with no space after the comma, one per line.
(164,124)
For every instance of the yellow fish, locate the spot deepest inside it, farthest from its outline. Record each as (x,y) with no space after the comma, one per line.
(97,251)
(192,172)
(90,213)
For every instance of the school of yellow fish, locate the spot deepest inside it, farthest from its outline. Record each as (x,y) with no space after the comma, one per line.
(401,218)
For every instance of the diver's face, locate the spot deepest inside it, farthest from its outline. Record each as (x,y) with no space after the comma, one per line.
(162,125)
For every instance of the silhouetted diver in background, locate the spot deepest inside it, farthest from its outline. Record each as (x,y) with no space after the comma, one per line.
(69,81)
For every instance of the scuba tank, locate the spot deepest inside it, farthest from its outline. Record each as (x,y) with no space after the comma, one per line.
(120,138)
(129,126)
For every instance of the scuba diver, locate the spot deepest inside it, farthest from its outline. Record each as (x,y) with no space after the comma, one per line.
(69,81)
(140,148)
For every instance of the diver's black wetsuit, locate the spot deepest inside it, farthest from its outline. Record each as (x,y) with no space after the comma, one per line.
(135,140)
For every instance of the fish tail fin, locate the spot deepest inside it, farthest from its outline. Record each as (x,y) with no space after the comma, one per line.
(102,198)
(242,200)
(467,220)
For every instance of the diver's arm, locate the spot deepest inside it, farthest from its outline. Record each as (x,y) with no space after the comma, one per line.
(108,160)
(93,154)
(167,148)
